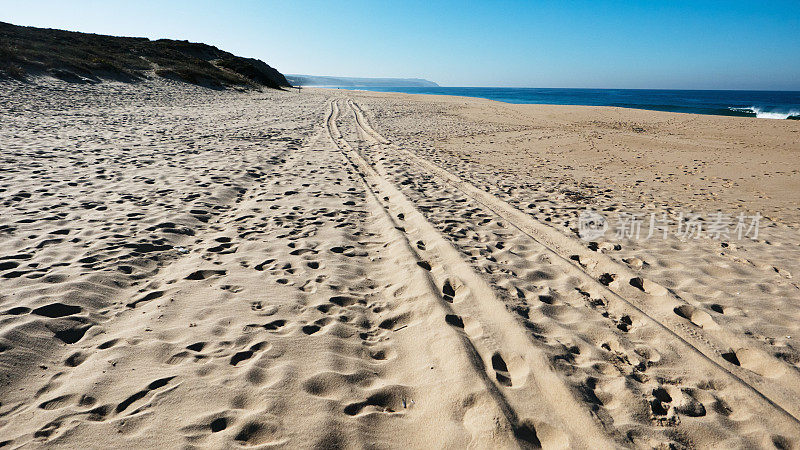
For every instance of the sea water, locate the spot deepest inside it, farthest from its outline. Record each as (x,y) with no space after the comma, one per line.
(762,104)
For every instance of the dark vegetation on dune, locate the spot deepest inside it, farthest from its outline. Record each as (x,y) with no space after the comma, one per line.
(87,58)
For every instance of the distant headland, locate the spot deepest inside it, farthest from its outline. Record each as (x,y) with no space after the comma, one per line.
(314,80)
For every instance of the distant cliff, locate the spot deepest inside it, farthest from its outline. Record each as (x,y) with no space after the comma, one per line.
(314,80)
(84,57)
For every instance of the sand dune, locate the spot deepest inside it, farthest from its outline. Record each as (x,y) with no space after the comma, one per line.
(183,267)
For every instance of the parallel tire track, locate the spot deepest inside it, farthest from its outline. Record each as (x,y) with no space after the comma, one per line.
(535,401)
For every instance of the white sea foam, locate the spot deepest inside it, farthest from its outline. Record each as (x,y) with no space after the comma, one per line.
(764,114)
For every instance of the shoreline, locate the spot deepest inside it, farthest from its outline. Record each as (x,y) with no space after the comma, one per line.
(730,111)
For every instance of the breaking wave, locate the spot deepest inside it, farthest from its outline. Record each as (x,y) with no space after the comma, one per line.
(762,113)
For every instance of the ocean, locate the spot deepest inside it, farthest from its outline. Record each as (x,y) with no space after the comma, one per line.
(761,104)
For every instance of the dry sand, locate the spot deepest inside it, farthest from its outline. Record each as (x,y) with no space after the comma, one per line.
(182,267)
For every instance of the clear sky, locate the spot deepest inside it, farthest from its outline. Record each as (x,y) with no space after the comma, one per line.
(615,44)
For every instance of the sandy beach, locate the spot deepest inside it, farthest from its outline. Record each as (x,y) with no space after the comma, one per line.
(184,267)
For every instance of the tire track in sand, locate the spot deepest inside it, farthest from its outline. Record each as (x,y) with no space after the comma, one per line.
(536,403)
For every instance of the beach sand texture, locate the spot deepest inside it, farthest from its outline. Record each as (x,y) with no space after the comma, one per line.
(182,267)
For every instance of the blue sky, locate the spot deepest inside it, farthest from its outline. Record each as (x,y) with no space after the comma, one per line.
(614,44)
